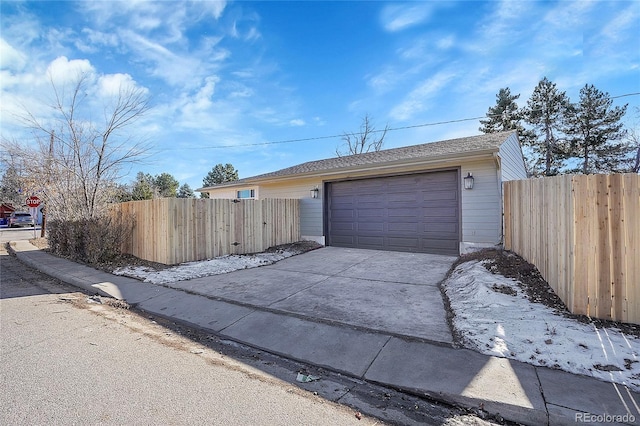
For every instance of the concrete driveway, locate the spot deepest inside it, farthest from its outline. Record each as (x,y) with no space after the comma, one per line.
(392,292)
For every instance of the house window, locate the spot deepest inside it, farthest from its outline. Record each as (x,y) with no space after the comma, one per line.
(246,193)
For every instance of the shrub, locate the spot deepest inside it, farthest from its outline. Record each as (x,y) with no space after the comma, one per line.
(93,241)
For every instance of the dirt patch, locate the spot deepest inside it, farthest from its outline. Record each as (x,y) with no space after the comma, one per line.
(530,280)
(298,247)
(41,243)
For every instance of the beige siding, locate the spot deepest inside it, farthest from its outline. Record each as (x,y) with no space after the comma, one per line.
(298,188)
(511,160)
(231,193)
(311,217)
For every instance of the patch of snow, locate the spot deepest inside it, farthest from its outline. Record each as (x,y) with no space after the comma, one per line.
(190,270)
(494,317)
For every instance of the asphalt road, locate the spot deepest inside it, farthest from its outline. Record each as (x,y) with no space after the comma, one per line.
(67,358)
(64,363)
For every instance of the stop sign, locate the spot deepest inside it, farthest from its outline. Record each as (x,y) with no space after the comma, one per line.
(33,201)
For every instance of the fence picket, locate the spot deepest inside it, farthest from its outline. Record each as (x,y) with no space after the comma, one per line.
(583,234)
(172,231)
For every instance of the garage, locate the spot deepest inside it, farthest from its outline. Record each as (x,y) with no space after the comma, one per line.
(414,213)
(409,198)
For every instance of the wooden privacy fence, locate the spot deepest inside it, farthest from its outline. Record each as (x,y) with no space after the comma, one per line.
(176,230)
(583,233)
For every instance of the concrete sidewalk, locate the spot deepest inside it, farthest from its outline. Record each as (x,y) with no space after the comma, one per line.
(516,391)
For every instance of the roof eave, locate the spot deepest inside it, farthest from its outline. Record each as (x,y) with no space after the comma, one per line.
(466,156)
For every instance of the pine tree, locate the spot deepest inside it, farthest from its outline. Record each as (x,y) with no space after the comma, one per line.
(143,187)
(11,187)
(220,174)
(166,185)
(504,116)
(596,132)
(545,112)
(185,191)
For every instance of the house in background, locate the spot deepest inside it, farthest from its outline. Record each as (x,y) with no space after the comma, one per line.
(5,211)
(441,197)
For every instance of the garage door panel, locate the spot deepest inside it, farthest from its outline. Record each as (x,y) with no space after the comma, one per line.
(344,241)
(368,206)
(344,206)
(417,213)
(400,213)
(343,226)
(368,198)
(440,212)
(403,244)
(376,227)
(444,196)
(371,187)
(439,245)
(370,240)
(343,215)
(448,228)
(403,227)
(367,213)
(434,221)
(400,197)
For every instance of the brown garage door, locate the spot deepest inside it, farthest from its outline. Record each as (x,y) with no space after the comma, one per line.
(415,213)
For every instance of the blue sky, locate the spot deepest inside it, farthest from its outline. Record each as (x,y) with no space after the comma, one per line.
(229,81)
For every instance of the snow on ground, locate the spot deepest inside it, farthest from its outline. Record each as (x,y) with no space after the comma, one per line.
(492,314)
(217,266)
(494,317)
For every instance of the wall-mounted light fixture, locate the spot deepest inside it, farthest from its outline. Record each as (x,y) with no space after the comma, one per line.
(468,181)
(314,192)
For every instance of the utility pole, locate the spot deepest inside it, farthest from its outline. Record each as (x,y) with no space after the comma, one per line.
(48,178)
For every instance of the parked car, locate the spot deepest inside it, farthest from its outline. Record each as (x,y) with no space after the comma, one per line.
(20,219)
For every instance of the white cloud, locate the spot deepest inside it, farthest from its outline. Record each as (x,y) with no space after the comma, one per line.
(445,43)
(383,80)
(509,22)
(63,71)
(175,69)
(239,90)
(253,34)
(623,26)
(417,100)
(165,22)
(399,17)
(93,41)
(626,20)
(396,75)
(112,84)
(297,122)
(205,94)
(567,16)
(11,58)
(213,8)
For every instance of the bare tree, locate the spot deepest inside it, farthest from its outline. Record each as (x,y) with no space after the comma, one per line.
(77,160)
(368,139)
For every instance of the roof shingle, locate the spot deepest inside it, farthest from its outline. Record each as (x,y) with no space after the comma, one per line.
(468,145)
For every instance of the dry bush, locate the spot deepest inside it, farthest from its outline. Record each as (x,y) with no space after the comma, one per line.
(93,241)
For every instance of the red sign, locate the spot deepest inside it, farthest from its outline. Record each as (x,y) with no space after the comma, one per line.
(33,202)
